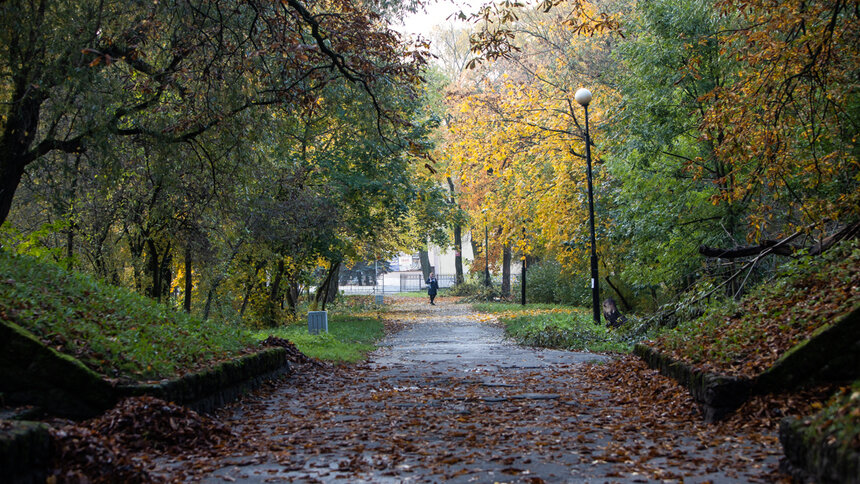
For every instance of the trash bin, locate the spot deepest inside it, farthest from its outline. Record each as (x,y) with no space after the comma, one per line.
(379,299)
(317,322)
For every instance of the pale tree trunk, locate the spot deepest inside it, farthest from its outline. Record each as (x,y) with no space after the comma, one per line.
(458,239)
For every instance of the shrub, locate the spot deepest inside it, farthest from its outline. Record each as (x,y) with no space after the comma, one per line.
(473,289)
(542,281)
(571,329)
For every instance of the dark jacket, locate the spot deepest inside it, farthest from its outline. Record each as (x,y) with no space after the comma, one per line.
(432,286)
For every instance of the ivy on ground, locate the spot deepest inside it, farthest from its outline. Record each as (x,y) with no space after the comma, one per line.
(746,339)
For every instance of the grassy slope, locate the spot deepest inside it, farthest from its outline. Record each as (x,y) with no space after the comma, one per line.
(121,334)
(748,338)
(113,331)
(839,419)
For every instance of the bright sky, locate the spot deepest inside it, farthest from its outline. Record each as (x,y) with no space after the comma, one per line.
(437,13)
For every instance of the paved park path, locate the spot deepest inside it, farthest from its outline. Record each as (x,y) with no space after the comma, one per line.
(448,399)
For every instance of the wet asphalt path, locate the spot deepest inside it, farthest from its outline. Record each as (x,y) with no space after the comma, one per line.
(448,399)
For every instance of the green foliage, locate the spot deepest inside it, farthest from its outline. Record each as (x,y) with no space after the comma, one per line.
(747,336)
(111,330)
(542,282)
(505,307)
(349,339)
(547,282)
(472,291)
(36,243)
(838,421)
(572,329)
(662,173)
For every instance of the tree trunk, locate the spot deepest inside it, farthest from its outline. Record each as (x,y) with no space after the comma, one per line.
(322,292)
(249,287)
(274,295)
(218,280)
(477,247)
(154,289)
(458,253)
(19,131)
(424,257)
(620,296)
(165,275)
(333,285)
(159,270)
(70,232)
(135,246)
(188,283)
(458,238)
(292,296)
(506,270)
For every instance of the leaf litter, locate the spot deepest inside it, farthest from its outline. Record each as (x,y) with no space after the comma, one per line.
(618,420)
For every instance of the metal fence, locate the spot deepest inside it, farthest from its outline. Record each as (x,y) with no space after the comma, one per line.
(404,282)
(416,282)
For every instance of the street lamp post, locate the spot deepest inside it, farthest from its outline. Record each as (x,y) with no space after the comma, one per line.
(583,97)
(486,248)
(486,255)
(523,277)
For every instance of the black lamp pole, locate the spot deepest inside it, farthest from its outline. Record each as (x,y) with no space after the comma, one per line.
(583,97)
(486,255)
(523,282)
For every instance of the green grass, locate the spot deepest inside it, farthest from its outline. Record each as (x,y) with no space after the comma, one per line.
(418,294)
(570,330)
(114,331)
(504,307)
(556,326)
(349,339)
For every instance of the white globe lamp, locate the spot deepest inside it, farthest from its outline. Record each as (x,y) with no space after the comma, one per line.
(583,96)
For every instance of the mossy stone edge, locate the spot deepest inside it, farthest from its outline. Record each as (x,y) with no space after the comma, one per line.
(810,457)
(32,373)
(831,354)
(209,389)
(25,453)
(717,395)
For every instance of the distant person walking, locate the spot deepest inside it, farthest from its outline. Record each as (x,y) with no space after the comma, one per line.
(432,287)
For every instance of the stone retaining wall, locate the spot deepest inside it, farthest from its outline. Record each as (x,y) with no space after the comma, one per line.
(34,374)
(813,458)
(49,379)
(25,453)
(831,354)
(717,395)
(209,389)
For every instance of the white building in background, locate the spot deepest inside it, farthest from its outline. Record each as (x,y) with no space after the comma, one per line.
(405,275)
(441,259)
